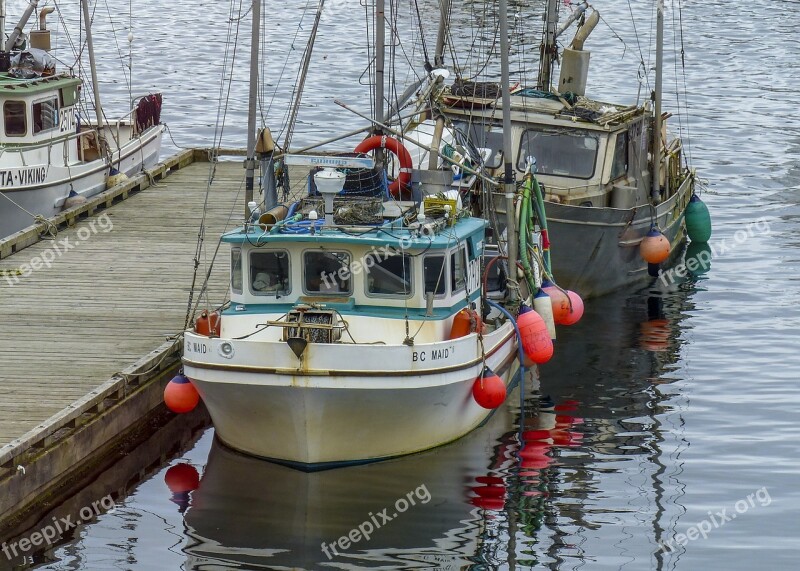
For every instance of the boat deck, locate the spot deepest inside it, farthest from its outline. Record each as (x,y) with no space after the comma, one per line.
(114,296)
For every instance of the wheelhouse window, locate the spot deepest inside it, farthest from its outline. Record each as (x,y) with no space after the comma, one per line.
(236,270)
(619,167)
(559,152)
(389,276)
(458,270)
(269,273)
(435,277)
(45,115)
(326,273)
(484,136)
(14,118)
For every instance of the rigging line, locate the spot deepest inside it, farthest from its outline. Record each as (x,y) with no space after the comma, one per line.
(130,47)
(125,74)
(222,109)
(449,38)
(644,73)
(373,83)
(228,55)
(677,87)
(688,154)
(289,53)
(428,66)
(493,50)
(300,84)
(69,38)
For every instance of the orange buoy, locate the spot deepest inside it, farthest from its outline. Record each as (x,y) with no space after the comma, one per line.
(534,337)
(574,309)
(208,324)
(465,322)
(654,247)
(489,390)
(180,396)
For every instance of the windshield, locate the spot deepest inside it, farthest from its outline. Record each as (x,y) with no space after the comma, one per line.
(571,153)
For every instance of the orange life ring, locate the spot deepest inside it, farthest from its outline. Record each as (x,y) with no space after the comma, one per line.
(395,147)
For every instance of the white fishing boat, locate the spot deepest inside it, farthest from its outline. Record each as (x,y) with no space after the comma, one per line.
(51,153)
(360,325)
(339,344)
(608,173)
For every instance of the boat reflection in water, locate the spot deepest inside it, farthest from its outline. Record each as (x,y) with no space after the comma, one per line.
(416,510)
(549,488)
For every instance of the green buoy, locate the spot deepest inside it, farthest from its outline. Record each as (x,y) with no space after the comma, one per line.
(698,220)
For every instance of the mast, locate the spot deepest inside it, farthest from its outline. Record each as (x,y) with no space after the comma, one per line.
(92,63)
(441,37)
(508,176)
(3,20)
(549,47)
(655,193)
(250,162)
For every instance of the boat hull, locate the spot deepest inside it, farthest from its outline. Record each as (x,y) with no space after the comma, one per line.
(46,197)
(323,418)
(596,250)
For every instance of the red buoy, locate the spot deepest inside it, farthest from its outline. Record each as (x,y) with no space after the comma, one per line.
(489,390)
(180,396)
(494,504)
(182,478)
(574,309)
(654,247)
(208,324)
(535,338)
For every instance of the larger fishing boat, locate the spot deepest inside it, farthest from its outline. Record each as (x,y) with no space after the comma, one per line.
(51,153)
(608,172)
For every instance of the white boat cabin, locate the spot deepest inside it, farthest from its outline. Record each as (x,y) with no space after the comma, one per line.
(592,154)
(382,271)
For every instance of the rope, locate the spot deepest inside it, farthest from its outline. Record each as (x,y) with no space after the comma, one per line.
(300,84)
(50,229)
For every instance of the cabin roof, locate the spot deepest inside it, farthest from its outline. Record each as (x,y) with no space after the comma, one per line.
(14,87)
(546,110)
(390,234)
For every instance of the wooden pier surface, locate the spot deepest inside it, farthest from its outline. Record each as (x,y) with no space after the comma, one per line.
(111,289)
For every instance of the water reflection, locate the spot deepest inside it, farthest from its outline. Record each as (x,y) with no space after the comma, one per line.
(251,512)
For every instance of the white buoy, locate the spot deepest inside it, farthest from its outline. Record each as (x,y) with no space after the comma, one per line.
(544,307)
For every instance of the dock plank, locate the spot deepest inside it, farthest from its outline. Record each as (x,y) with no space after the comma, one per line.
(111,298)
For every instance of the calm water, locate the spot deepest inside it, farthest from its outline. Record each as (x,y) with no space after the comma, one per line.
(669,406)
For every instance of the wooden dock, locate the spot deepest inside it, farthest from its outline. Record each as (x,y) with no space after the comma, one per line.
(92,315)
